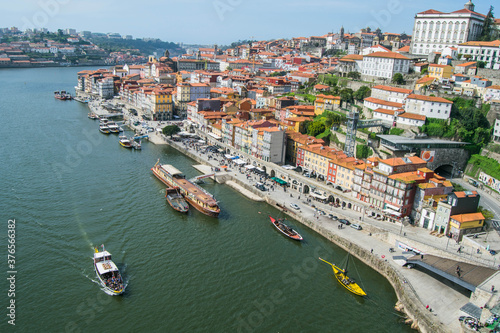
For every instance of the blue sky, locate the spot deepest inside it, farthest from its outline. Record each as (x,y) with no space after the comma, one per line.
(222,21)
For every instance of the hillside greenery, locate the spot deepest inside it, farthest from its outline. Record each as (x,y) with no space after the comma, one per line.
(488,165)
(146,48)
(467,123)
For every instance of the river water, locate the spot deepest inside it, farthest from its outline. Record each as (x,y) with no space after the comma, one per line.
(70,188)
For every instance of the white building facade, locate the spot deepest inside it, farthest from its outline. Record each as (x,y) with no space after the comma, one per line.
(385,64)
(432,107)
(489,52)
(434,30)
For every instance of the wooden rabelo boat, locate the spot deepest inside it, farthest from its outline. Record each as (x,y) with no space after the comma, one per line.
(285,229)
(348,283)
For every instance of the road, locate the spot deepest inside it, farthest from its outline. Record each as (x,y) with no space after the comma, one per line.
(486,200)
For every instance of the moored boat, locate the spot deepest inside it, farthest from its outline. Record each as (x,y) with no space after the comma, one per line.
(348,283)
(113,127)
(176,200)
(196,196)
(93,116)
(137,144)
(62,95)
(285,229)
(104,129)
(107,272)
(125,142)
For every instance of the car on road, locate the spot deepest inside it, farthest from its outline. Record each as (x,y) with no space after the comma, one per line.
(294,206)
(493,252)
(344,221)
(333,217)
(356,226)
(260,186)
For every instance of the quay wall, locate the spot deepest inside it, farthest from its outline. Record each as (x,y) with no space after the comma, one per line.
(413,307)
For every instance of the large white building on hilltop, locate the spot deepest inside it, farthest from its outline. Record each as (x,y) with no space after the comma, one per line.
(435,30)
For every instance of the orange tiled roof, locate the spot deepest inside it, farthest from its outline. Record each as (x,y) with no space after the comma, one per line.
(391,55)
(429,98)
(461,218)
(393,89)
(382,102)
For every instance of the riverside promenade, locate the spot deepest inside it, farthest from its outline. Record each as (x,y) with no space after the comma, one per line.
(415,289)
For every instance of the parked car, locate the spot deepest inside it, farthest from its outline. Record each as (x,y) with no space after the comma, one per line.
(307,174)
(333,217)
(260,186)
(294,206)
(344,221)
(356,226)
(493,252)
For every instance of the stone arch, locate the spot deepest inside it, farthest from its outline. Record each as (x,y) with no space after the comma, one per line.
(349,205)
(337,201)
(306,189)
(331,198)
(444,170)
(272,173)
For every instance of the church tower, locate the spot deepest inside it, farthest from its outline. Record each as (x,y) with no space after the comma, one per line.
(469,5)
(342,33)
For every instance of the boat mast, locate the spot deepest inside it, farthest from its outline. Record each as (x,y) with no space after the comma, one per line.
(347,263)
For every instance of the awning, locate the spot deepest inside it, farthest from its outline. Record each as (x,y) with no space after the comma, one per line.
(230,157)
(279,181)
(216,137)
(260,169)
(239,162)
(391,212)
(393,207)
(224,167)
(250,166)
(318,196)
(235,157)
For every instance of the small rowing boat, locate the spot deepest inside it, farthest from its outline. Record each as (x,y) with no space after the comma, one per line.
(285,230)
(176,200)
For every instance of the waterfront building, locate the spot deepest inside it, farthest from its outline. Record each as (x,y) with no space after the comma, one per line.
(160,104)
(463,224)
(228,130)
(434,30)
(296,140)
(315,159)
(106,87)
(455,204)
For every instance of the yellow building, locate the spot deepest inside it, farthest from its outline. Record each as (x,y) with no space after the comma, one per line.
(295,124)
(424,82)
(463,224)
(296,140)
(440,71)
(162,106)
(326,102)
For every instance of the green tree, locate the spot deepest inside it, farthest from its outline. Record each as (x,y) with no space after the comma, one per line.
(481,64)
(489,32)
(316,128)
(488,215)
(354,75)
(362,93)
(398,78)
(363,151)
(424,71)
(346,95)
(170,130)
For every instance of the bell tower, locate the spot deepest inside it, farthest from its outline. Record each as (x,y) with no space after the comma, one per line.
(469,5)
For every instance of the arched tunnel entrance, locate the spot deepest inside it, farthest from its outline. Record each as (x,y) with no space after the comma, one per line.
(445,170)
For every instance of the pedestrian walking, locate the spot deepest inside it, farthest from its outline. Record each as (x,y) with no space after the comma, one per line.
(371,251)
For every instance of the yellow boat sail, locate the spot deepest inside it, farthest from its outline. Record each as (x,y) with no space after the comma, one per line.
(344,280)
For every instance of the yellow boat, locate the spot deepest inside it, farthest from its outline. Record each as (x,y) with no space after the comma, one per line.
(344,280)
